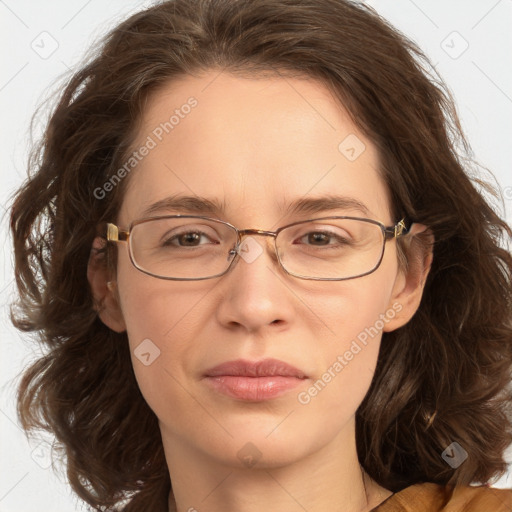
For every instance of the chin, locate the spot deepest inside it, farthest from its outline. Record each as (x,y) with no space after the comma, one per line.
(260,447)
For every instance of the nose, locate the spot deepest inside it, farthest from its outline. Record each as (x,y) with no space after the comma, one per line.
(254,291)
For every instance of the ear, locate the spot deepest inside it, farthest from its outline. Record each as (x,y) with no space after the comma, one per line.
(104,290)
(410,282)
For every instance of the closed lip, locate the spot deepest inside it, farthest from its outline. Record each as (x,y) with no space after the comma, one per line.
(264,368)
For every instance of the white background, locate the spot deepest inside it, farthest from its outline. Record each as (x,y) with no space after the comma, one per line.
(480,78)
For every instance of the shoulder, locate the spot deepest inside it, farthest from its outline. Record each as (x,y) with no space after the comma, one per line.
(430,497)
(479,499)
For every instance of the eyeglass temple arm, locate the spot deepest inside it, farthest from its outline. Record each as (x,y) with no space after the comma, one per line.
(399,229)
(114,234)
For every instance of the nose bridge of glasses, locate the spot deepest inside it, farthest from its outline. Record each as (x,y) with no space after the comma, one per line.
(244,233)
(262,232)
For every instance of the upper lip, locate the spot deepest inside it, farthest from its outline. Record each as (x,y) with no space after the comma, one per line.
(263,368)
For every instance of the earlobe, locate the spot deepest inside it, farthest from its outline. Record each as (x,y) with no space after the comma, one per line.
(104,289)
(409,285)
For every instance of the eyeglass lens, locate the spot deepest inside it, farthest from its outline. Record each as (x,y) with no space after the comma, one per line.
(192,248)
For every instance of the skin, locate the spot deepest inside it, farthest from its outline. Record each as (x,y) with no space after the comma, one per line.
(252,144)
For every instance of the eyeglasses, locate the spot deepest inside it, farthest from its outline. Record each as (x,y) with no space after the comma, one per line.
(189,247)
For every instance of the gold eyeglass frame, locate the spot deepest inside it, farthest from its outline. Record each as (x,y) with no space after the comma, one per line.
(115,234)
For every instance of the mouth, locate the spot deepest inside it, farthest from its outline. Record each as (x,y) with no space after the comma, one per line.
(254,380)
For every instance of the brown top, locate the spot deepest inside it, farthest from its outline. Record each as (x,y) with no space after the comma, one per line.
(429,497)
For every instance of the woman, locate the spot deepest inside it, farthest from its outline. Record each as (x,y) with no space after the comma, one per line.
(263,276)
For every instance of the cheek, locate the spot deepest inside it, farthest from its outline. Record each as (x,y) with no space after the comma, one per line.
(153,308)
(157,351)
(354,310)
(356,314)
(156,313)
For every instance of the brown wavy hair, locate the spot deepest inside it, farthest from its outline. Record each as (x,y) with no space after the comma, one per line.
(443,377)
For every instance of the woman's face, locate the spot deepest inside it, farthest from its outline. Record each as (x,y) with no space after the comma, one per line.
(255,146)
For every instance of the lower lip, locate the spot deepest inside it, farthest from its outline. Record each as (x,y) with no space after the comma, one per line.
(253,388)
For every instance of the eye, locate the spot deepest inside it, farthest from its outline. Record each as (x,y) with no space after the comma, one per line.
(323,238)
(326,236)
(186,239)
(189,235)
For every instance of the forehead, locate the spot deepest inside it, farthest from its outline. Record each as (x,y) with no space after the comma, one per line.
(252,146)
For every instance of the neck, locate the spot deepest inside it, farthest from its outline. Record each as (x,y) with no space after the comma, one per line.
(328,479)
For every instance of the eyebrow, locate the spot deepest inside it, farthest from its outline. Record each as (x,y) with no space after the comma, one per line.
(211,206)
